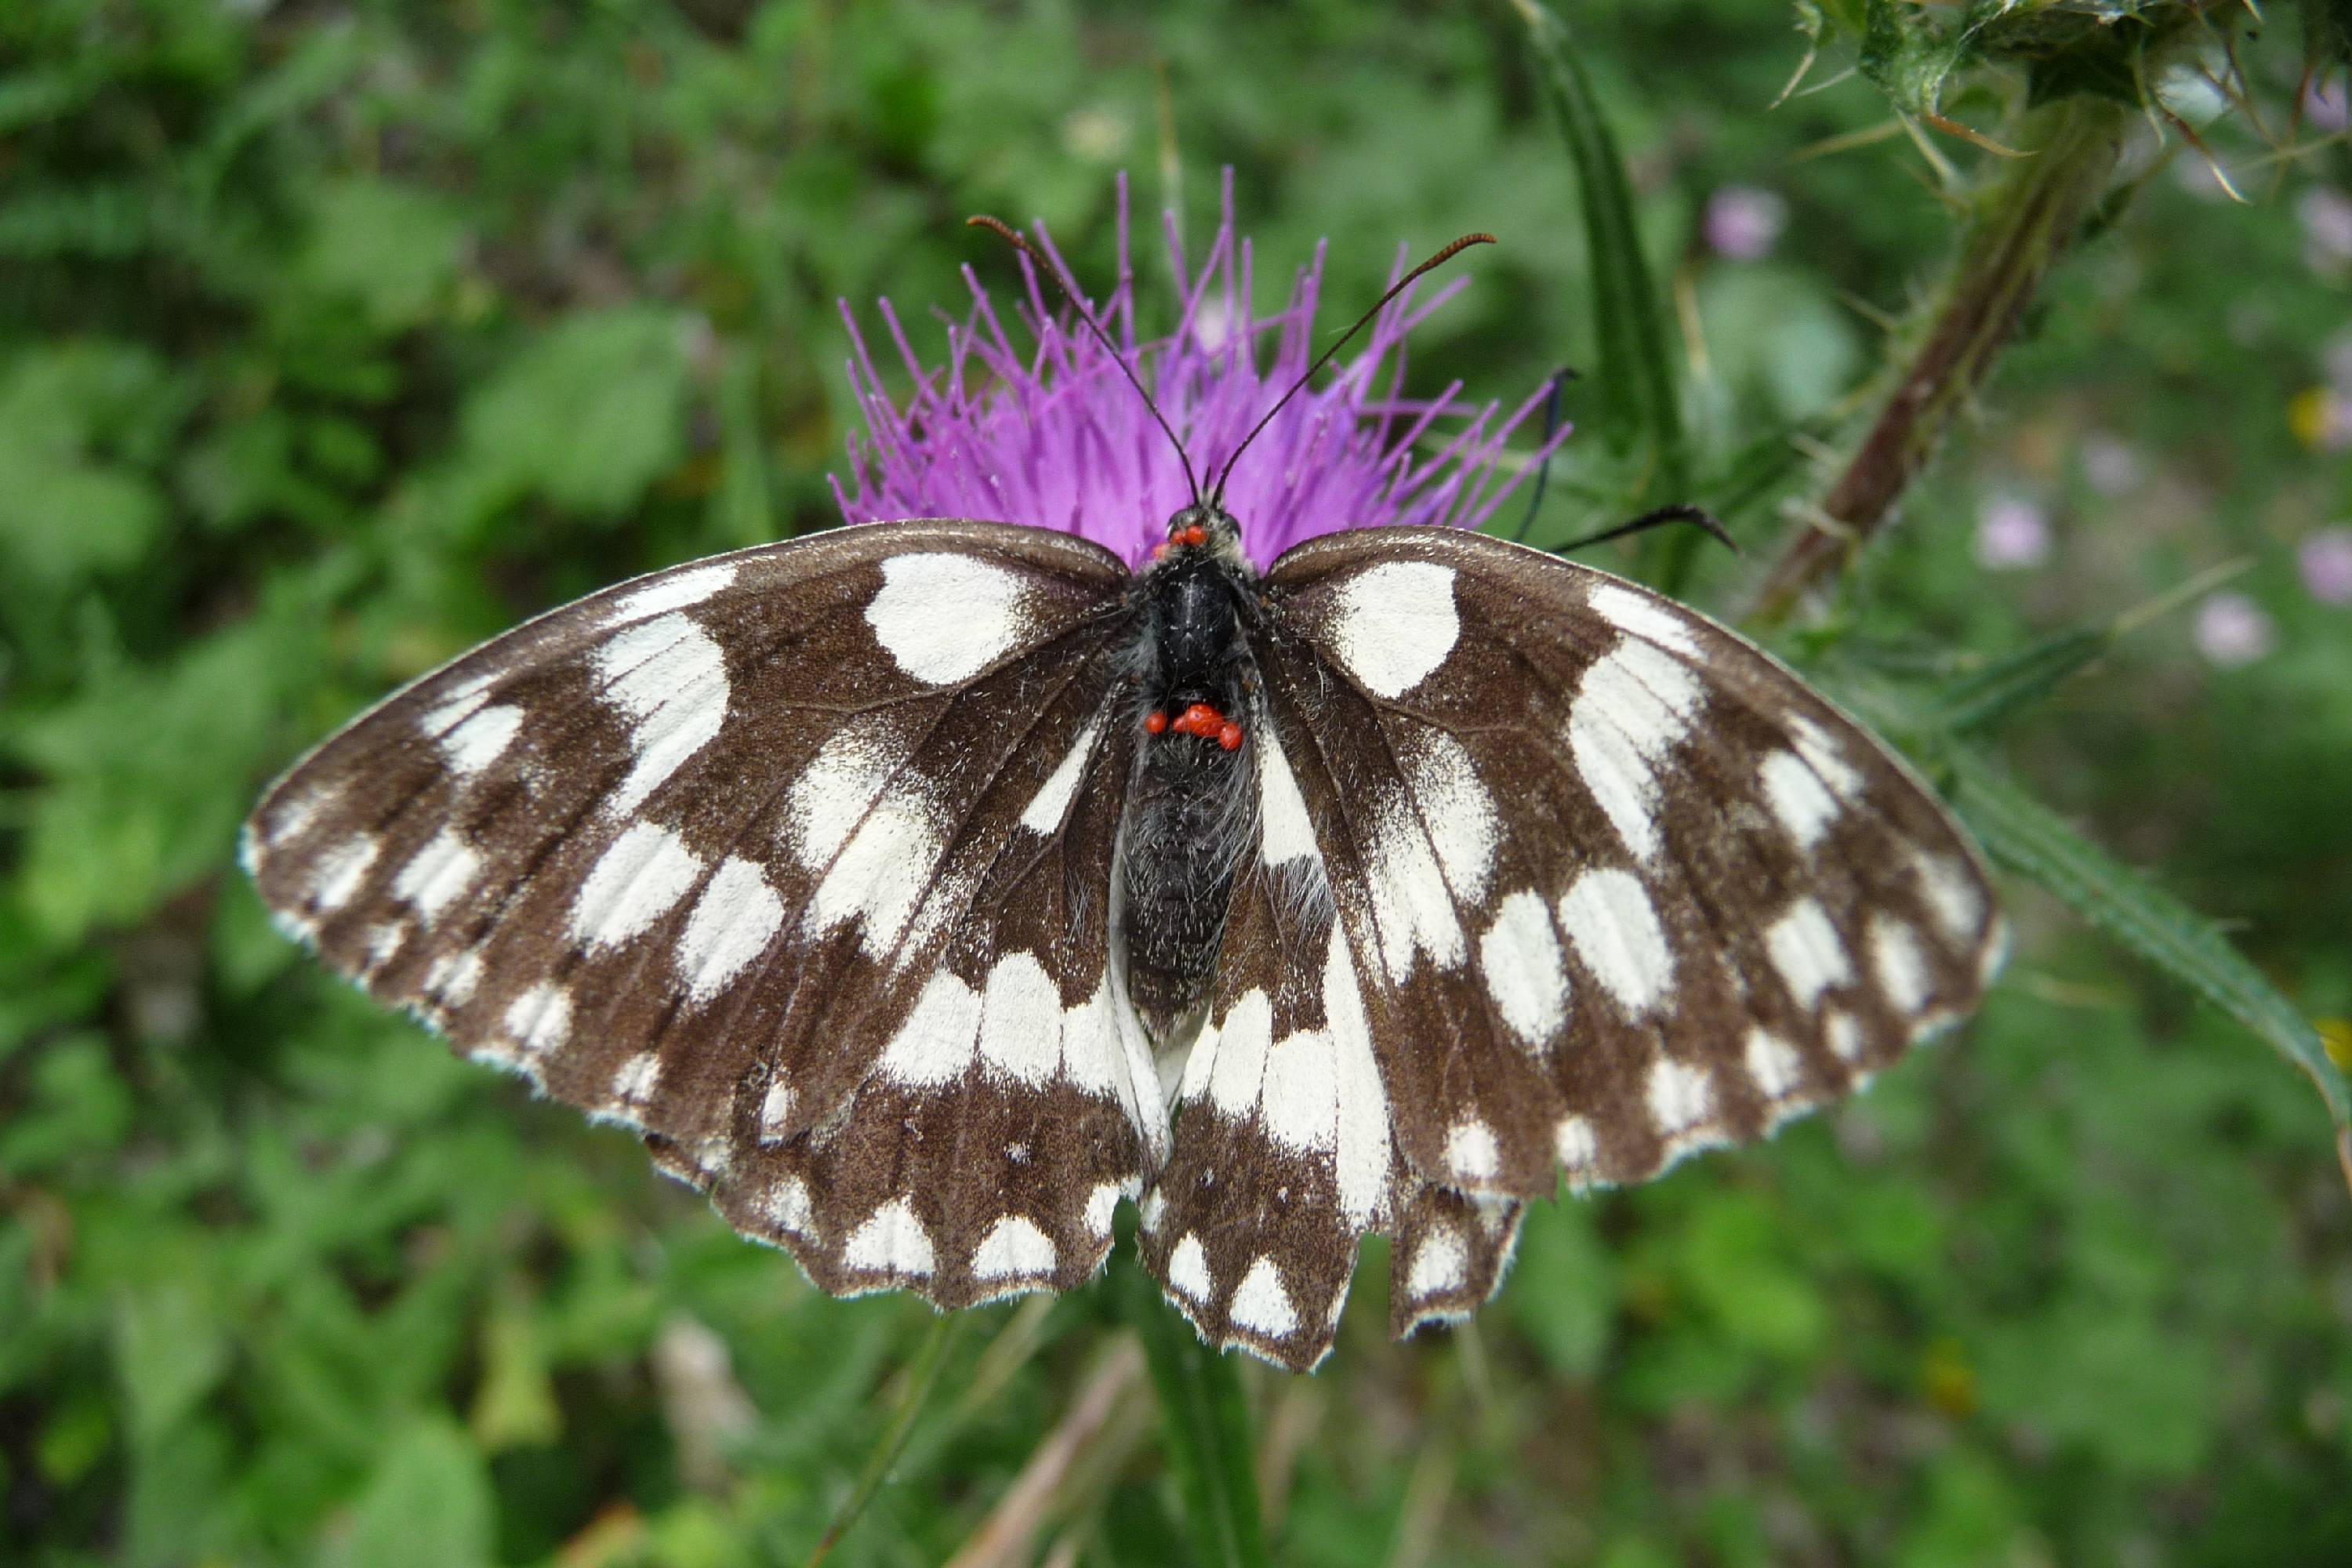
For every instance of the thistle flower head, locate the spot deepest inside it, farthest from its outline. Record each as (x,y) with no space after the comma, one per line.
(1055,437)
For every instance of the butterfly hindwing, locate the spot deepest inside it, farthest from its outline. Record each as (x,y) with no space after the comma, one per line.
(692,852)
(1621,884)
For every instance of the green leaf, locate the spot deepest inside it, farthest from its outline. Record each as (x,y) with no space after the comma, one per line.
(1205,1423)
(1636,373)
(169,1351)
(429,1502)
(588,415)
(1982,699)
(390,248)
(2028,837)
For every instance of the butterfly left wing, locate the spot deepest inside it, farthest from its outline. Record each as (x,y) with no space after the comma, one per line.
(1618,884)
(782,860)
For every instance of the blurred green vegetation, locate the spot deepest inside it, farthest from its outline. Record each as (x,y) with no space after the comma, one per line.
(335,338)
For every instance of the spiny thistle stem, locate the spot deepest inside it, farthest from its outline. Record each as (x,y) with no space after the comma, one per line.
(2026,220)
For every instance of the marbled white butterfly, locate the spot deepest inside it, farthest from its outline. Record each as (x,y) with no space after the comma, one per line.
(920,890)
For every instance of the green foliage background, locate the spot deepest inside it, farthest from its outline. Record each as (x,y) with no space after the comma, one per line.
(335,338)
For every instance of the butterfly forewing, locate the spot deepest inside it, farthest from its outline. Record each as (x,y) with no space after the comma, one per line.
(1620,886)
(692,852)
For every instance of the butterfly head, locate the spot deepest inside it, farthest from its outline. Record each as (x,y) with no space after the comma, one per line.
(1203,529)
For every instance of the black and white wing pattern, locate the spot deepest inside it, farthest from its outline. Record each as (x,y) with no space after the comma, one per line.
(793,860)
(1552,874)
(1618,884)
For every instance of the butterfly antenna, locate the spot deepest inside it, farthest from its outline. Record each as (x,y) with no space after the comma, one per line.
(1046,265)
(1559,380)
(1217,489)
(1698,517)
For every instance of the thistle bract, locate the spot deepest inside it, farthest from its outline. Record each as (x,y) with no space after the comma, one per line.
(1052,436)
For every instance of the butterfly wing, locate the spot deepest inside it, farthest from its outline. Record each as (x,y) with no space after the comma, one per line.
(1619,885)
(782,860)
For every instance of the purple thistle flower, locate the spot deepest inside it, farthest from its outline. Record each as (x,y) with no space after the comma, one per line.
(2325,560)
(2232,630)
(1057,438)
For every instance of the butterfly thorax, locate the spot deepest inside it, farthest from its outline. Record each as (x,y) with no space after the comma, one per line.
(1188,804)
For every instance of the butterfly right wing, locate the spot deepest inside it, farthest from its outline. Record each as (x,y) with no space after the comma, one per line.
(692,854)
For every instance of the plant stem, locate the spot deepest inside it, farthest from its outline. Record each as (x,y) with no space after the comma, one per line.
(1205,1423)
(2023,224)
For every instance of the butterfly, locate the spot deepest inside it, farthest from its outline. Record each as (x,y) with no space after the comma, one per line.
(921,891)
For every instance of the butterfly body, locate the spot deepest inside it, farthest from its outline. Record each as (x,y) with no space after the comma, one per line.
(854,874)
(1191,808)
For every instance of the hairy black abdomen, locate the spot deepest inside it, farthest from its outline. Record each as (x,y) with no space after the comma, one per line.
(1190,804)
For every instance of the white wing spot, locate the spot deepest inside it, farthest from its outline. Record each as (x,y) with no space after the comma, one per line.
(1237,1066)
(1576,1144)
(1188,1268)
(679,590)
(638,880)
(437,875)
(1021,1020)
(1797,797)
(733,921)
(452,977)
(946,618)
(891,1241)
(1459,812)
(1090,1049)
(1301,1104)
(1286,833)
(1362,1158)
(1101,1203)
(1631,707)
(341,871)
(1951,891)
(1804,947)
(1525,971)
(1608,917)
(540,1020)
(1046,808)
(935,1045)
(1410,902)
(1394,624)
(635,1079)
(478,740)
(880,875)
(1013,1249)
(775,1111)
(1680,1096)
(1843,1032)
(1820,748)
(383,941)
(1774,1064)
(1471,1150)
(670,679)
(1261,1305)
(831,796)
(1440,1264)
(1639,614)
(788,1207)
(1901,966)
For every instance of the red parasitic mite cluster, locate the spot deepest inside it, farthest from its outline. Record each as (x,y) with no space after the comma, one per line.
(1200,719)
(1191,535)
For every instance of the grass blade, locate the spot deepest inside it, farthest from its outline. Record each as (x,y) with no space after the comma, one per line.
(920,1379)
(1637,382)
(2031,839)
(1205,1423)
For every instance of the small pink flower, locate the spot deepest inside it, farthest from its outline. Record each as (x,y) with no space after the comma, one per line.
(2324,107)
(2336,358)
(2325,560)
(2232,630)
(2012,534)
(1744,223)
(2327,217)
(2111,464)
(1052,436)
